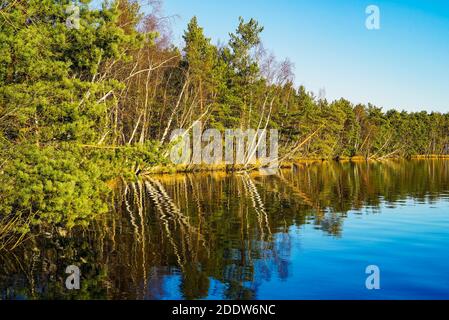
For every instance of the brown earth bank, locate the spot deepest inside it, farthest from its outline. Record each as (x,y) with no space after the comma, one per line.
(189,168)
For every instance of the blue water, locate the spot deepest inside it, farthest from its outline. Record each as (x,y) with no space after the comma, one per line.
(409,243)
(308,233)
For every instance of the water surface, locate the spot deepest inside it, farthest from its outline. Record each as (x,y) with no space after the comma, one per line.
(307,233)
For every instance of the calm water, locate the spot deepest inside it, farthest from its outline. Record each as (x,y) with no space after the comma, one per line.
(307,233)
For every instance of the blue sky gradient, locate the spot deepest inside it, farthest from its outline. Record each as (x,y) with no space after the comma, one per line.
(404,65)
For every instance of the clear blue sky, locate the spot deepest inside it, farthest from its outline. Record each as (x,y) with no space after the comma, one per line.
(404,65)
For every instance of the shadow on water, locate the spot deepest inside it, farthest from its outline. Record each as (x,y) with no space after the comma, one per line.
(211,235)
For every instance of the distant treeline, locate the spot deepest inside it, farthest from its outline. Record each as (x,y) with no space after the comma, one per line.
(90,94)
(118,80)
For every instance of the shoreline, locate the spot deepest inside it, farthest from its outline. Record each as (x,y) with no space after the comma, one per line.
(177,169)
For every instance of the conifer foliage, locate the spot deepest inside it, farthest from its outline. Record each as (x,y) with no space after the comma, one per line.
(85,101)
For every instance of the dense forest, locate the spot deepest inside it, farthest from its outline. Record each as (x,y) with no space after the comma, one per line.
(92,94)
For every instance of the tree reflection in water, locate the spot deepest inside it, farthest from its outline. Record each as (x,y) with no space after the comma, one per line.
(205,229)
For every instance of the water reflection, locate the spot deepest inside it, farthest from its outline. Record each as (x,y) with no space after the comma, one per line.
(214,235)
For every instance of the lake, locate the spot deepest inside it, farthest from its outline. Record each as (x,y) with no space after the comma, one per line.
(305,233)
